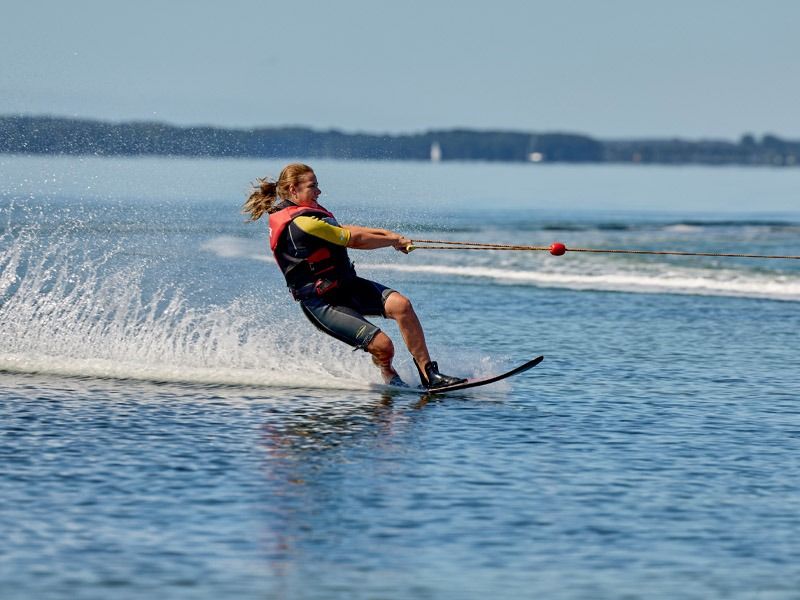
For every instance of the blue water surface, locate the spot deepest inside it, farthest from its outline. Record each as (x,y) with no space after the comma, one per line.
(171,426)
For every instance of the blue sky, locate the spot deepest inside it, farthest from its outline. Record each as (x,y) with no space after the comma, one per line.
(612,68)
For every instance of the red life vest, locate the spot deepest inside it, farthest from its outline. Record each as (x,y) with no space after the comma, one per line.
(278,221)
(325,265)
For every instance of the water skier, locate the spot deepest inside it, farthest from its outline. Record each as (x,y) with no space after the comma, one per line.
(310,248)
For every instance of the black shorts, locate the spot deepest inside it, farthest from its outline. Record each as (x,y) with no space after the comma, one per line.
(340,313)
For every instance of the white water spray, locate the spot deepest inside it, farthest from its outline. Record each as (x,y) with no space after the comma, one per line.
(67,310)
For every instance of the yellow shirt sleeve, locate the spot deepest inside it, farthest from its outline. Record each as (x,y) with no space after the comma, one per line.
(321,229)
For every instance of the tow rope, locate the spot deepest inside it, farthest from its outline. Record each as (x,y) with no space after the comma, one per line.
(558,249)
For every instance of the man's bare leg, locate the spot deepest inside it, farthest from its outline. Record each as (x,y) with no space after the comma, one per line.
(399,308)
(382,351)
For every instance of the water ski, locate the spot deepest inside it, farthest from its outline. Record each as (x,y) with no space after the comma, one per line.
(470,383)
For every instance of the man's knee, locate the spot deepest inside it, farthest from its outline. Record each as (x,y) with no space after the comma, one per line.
(398,305)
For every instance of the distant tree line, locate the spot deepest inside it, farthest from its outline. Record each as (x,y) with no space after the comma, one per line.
(54,135)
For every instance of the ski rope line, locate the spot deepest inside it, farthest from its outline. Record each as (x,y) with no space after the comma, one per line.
(558,249)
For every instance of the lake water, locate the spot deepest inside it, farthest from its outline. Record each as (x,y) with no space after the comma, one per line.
(172,427)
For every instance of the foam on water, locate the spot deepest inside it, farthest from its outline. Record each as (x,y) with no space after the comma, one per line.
(676,282)
(65,311)
(229,246)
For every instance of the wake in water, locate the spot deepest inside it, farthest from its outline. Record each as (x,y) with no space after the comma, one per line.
(67,309)
(723,282)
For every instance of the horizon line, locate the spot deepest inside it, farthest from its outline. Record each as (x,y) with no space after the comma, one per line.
(333,129)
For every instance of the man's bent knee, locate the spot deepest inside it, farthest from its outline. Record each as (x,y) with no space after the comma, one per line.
(398,305)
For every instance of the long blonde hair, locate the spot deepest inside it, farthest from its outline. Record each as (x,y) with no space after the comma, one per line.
(265,194)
